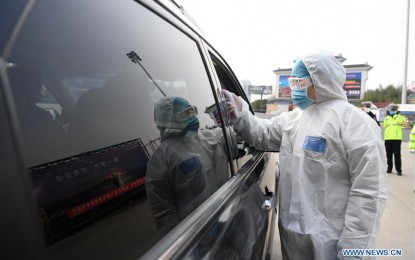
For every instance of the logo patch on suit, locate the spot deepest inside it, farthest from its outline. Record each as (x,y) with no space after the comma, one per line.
(315,144)
(190,164)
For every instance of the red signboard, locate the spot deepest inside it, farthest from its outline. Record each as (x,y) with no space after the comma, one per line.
(79,209)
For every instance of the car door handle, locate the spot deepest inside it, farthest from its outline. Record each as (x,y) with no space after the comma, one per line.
(271,200)
(269,203)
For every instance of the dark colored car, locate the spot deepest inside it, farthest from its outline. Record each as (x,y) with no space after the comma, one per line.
(78,84)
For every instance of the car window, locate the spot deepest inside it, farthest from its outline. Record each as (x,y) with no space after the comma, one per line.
(228,82)
(8,14)
(117,139)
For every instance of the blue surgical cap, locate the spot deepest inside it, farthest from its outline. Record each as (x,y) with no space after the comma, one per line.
(299,70)
(179,104)
(164,114)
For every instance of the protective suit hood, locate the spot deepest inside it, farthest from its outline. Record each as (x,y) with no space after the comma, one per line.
(332,183)
(163,114)
(328,76)
(165,111)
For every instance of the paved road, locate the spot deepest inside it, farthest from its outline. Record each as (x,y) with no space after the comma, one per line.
(397,228)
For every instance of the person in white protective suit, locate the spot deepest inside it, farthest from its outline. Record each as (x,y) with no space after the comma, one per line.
(189,165)
(332,184)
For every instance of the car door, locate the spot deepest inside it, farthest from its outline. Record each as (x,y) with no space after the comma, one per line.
(80,88)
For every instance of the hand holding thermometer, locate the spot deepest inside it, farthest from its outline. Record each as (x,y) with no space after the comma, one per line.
(230,101)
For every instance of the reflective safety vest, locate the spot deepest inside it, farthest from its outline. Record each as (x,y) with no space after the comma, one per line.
(393,126)
(411,144)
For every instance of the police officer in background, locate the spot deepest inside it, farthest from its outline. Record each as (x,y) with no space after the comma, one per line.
(411,144)
(366,107)
(393,137)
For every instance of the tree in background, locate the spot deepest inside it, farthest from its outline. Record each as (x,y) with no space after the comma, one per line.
(389,94)
(259,105)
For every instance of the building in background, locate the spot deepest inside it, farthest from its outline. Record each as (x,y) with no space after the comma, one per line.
(355,84)
(245,86)
(256,92)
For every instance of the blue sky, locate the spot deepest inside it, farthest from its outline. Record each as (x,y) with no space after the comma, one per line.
(257,37)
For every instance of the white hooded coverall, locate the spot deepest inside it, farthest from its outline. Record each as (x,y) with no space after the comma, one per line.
(332,184)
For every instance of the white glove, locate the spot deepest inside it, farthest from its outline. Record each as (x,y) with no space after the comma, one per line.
(233,103)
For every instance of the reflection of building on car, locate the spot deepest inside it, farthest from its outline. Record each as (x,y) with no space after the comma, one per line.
(152,145)
(74,190)
(213,112)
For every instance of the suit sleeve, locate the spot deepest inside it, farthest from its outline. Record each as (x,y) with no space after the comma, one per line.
(386,122)
(401,119)
(263,134)
(367,168)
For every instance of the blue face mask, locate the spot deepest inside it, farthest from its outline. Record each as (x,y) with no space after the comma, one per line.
(392,113)
(300,98)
